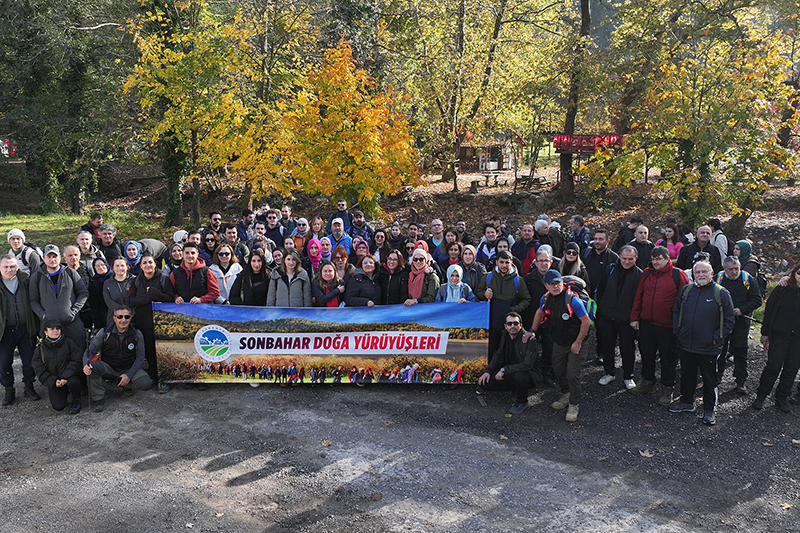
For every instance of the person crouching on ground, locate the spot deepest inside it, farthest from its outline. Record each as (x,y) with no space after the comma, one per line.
(116,351)
(57,362)
(515,365)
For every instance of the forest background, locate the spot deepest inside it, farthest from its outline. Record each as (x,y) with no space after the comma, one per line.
(360,98)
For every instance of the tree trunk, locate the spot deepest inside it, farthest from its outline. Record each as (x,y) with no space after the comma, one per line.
(565,161)
(734,228)
(247,197)
(174,163)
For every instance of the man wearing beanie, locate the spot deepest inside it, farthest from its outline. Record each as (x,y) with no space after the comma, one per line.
(28,257)
(18,326)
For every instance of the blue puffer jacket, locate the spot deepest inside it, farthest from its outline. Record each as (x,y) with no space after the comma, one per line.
(698,330)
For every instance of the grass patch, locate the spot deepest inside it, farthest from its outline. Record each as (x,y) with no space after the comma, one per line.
(61,229)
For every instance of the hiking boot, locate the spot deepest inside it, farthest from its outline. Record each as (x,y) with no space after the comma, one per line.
(741,387)
(758,403)
(9,397)
(30,393)
(783,406)
(75,408)
(572,413)
(666,396)
(630,384)
(99,406)
(709,419)
(605,380)
(679,407)
(645,387)
(164,388)
(562,402)
(517,408)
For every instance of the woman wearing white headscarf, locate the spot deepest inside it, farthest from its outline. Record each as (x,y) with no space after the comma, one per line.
(455,290)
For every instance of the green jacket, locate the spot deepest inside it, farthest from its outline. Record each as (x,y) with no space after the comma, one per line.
(24,286)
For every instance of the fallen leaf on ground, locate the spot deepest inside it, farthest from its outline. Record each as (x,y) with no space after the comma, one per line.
(377,496)
(661,450)
(646,453)
(786,505)
(387,424)
(769,444)
(219,515)
(602,458)
(326,443)
(794,441)
(339,489)
(503,437)
(648,425)
(508,415)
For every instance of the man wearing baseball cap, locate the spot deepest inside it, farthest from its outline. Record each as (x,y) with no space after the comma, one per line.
(57,291)
(566,316)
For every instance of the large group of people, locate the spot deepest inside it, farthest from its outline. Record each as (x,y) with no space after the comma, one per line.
(559,296)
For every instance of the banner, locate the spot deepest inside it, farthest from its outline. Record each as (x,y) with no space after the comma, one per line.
(435,343)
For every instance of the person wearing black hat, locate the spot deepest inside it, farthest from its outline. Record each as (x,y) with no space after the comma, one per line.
(57,362)
(18,326)
(566,316)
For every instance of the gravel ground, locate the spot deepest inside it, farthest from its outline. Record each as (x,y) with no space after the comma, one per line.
(415,458)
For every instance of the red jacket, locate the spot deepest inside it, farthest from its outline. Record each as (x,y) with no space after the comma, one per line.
(655,295)
(198,281)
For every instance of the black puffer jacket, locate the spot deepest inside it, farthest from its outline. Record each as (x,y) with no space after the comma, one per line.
(143,293)
(362,289)
(56,359)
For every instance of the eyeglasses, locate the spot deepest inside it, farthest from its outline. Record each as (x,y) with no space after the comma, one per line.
(273,217)
(571,252)
(435,225)
(543,261)
(393,259)
(368,263)
(211,239)
(515,323)
(216,220)
(419,259)
(123,317)
(302,225)
(224,254)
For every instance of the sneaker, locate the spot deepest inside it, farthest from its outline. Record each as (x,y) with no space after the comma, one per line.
(480,390)
(517,408)
(709,419)
(562,402)
(783,406)
(9,397)
(99,406)
(164,388)
(572,413)
(758,403)
(678,407)
(666,396)
(741,387)
(605,380)
(30,393)
(645,387)
(75,408)
(630,384)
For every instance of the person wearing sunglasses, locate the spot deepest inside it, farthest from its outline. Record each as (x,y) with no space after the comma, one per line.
(514,366)
(571,264)
(225,267)
(117,351)
(422,281)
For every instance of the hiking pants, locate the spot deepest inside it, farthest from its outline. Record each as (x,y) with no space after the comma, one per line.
(783,358)
(567,369)
(608,332)
(659,339)
(736,344)
(707,364)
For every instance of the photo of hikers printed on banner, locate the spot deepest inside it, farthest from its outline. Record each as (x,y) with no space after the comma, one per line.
(439,344)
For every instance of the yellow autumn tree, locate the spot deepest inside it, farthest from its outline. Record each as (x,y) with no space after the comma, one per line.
(340,135)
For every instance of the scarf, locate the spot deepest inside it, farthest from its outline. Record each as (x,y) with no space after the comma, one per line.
(416,278)
(315,259)
(454,291)
(745,251)
(135,261)
(325,257)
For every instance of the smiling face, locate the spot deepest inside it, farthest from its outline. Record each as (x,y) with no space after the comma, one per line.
(328,272)
(148,265)
(131,251)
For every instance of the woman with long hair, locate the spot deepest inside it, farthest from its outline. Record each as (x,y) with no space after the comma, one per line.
(780,332)
(327,288)
(148,288)
(102,271)
(210,242)
(225,266)
(671,241)
(453,252)
(340,260)
(363,288)
(252,284)
(571,264)
(289,286)
(393,279)
(380,246)
(450,236)
(117,288)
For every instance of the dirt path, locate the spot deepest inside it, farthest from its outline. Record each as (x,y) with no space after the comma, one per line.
(401,458)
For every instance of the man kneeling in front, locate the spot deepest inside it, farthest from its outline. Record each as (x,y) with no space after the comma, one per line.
(515,365)
(117,351)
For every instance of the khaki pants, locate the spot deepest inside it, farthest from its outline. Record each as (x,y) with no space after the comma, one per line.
(567,369)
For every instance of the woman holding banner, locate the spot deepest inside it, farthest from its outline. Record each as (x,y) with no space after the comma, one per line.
(252,284)
(147,288)
(289,286)
(363,288)
(393,279)
(327,287)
